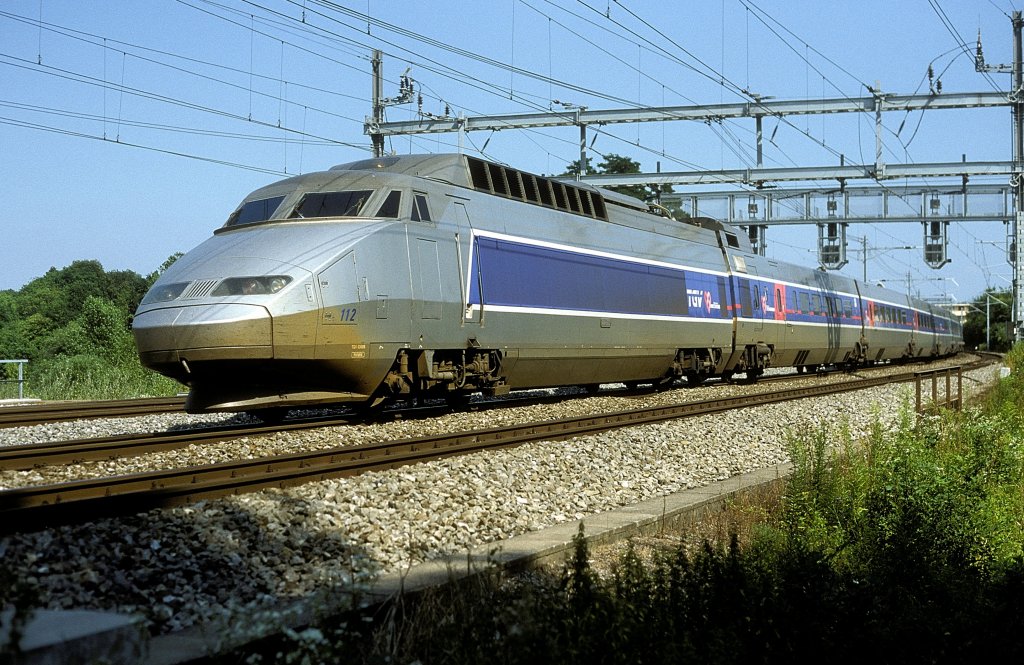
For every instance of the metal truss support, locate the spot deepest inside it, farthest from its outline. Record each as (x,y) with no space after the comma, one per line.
(878,102)
(841,173)
(967,202)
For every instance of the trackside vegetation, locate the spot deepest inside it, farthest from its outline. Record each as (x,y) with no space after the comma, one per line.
(904,546)
(73,325)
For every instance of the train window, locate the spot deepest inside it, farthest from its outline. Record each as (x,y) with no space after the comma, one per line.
(848,308)
(255,211)
(732,240)
(805,303)
(332,204)
(392,204)
(599,210)
(903,316)
(420,212)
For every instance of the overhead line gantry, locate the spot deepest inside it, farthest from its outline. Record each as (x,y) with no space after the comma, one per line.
(831,230)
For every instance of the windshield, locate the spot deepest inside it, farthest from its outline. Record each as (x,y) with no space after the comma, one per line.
(255,211)
(332,204)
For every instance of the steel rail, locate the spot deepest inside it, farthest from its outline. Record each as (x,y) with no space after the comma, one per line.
(35,414)
(31,455)
(36,507)
(48,412)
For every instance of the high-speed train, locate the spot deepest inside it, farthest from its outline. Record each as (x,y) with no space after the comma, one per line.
(444,275)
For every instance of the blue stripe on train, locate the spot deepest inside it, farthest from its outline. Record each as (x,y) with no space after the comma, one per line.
(515,274)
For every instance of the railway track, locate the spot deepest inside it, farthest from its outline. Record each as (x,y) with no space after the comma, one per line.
(35,507)
(35,414)
(50,412)
(28,456)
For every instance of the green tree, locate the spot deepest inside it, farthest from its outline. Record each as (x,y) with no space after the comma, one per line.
(43,297)
(8,307)
(73,326)
(978,326)
(106,327)
(125,288)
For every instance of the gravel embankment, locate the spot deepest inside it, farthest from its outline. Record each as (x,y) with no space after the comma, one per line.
(196,563)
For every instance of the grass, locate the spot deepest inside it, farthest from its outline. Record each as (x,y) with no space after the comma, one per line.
(90,377)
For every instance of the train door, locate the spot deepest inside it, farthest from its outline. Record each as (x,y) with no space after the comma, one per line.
(831,309)
(428,280)
(780,302)
(758,300)
(468,266)
(768,306)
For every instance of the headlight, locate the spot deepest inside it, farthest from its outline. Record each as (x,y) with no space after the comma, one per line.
(164,292)
(250,286)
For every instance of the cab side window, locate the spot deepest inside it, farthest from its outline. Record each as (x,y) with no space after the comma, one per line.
(420,212)
(391,206)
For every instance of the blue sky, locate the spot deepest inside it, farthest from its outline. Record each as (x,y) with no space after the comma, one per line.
(130,130)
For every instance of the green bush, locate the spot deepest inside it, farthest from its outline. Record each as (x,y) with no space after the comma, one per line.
(73,325)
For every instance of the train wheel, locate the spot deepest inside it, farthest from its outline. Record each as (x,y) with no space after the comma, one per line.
(695,379)
(592,388)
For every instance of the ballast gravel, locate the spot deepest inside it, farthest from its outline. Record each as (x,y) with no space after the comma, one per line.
(203,562)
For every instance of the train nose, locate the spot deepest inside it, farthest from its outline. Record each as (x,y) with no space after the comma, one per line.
(203,332)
